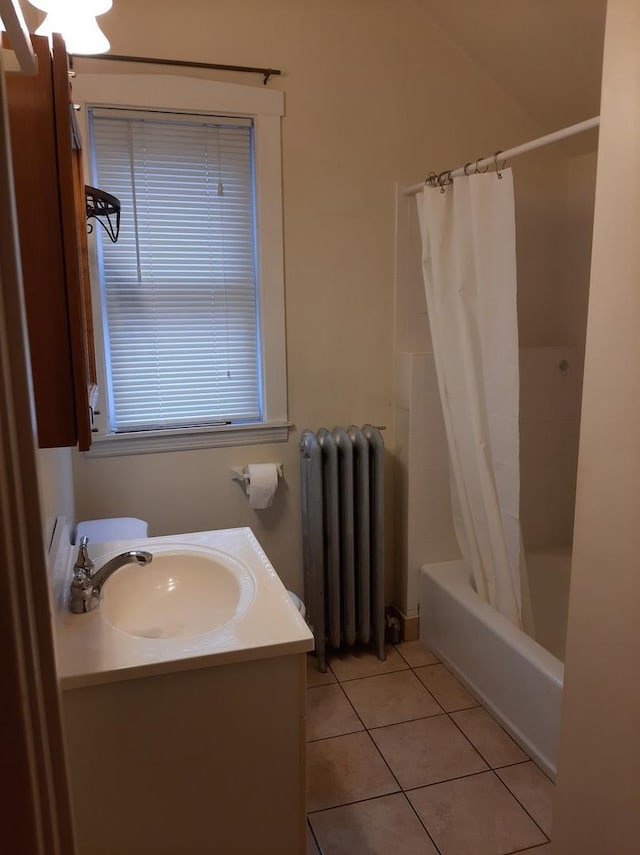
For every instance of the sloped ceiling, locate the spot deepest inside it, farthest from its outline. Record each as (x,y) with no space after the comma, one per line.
(546,54)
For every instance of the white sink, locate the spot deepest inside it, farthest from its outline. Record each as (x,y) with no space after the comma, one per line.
(180,594)
(207,598)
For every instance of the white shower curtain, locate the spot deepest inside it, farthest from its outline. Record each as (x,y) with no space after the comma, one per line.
(469,266)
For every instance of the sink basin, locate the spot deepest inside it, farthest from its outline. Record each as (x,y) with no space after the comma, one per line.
(180,594)
(211,596)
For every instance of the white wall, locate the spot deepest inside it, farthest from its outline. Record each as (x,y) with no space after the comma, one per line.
(374,94)
(598,798)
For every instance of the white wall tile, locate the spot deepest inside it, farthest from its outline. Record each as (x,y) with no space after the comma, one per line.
(403,380)
(429,514)
(423,373)
(547,500)
(558,399)
(549,438)
(428,448)
(539,364)
(432,550)
(549,431)
(425,414)
(418,336)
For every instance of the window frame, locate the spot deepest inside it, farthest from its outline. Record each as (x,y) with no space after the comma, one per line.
(265,107)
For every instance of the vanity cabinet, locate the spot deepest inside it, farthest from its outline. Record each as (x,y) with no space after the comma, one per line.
(184,714)
(202,761)
(49,192)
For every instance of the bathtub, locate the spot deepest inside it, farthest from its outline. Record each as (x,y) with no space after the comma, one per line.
(511,674)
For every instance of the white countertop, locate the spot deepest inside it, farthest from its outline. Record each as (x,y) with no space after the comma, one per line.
(90,651)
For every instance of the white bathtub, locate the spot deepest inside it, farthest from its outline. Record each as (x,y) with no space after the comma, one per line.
(513,676)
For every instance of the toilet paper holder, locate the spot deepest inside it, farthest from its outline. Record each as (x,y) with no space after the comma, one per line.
(241,475)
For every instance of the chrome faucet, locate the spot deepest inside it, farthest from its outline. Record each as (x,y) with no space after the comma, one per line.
(86,588)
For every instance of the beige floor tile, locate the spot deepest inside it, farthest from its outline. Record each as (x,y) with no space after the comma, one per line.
(449,692)
(312,849)
(345,769)
(475,816)
(329,713)
(428,750)
(375,827)
(495,744)
(390,698)
(416,653)
(364,663)
(314,677)
(533,790)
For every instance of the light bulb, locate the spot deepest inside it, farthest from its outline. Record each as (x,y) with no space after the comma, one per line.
(77,23)
(94,7)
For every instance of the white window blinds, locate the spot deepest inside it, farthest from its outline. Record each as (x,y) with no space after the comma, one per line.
(179,286)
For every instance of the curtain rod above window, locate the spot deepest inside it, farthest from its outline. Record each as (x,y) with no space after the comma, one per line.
(266,73)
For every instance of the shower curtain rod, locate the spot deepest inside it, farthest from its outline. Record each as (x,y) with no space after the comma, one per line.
(479,165)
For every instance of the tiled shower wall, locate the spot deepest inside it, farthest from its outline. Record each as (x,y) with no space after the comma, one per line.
(550,395)
(424,524)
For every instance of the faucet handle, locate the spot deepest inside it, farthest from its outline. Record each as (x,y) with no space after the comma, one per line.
(83,562)
(81,591)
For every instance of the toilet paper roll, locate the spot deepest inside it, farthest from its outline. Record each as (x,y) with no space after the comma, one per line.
(263,482)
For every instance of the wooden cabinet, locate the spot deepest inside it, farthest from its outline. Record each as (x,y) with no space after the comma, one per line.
(49,190)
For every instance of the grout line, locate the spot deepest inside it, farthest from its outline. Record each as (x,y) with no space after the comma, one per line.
(457,709)
(441,705)
(428,691)
(529,848)
(535,822)
(313,835)
(422,823)
(516,763)
(346,804)
(346,733)
(447,780)
(352,707)
(377,676)
(354,802)
(407,721)
(425,664)
(368,676)
(373,741)
(475,747)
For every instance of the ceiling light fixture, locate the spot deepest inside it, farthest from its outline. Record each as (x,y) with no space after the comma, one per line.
(76,20)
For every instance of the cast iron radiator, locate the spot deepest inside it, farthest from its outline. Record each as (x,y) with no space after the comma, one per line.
(342,474)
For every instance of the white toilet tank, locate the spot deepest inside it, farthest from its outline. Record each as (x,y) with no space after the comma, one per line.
(115,528)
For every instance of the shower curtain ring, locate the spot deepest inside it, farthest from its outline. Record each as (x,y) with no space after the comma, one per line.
(478,170)
(466,166)
(497,166)
(431,179)
(444,179)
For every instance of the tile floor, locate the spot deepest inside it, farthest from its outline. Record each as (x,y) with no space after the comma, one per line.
(402,759)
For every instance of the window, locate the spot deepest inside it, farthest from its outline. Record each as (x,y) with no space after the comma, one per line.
(189,301)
